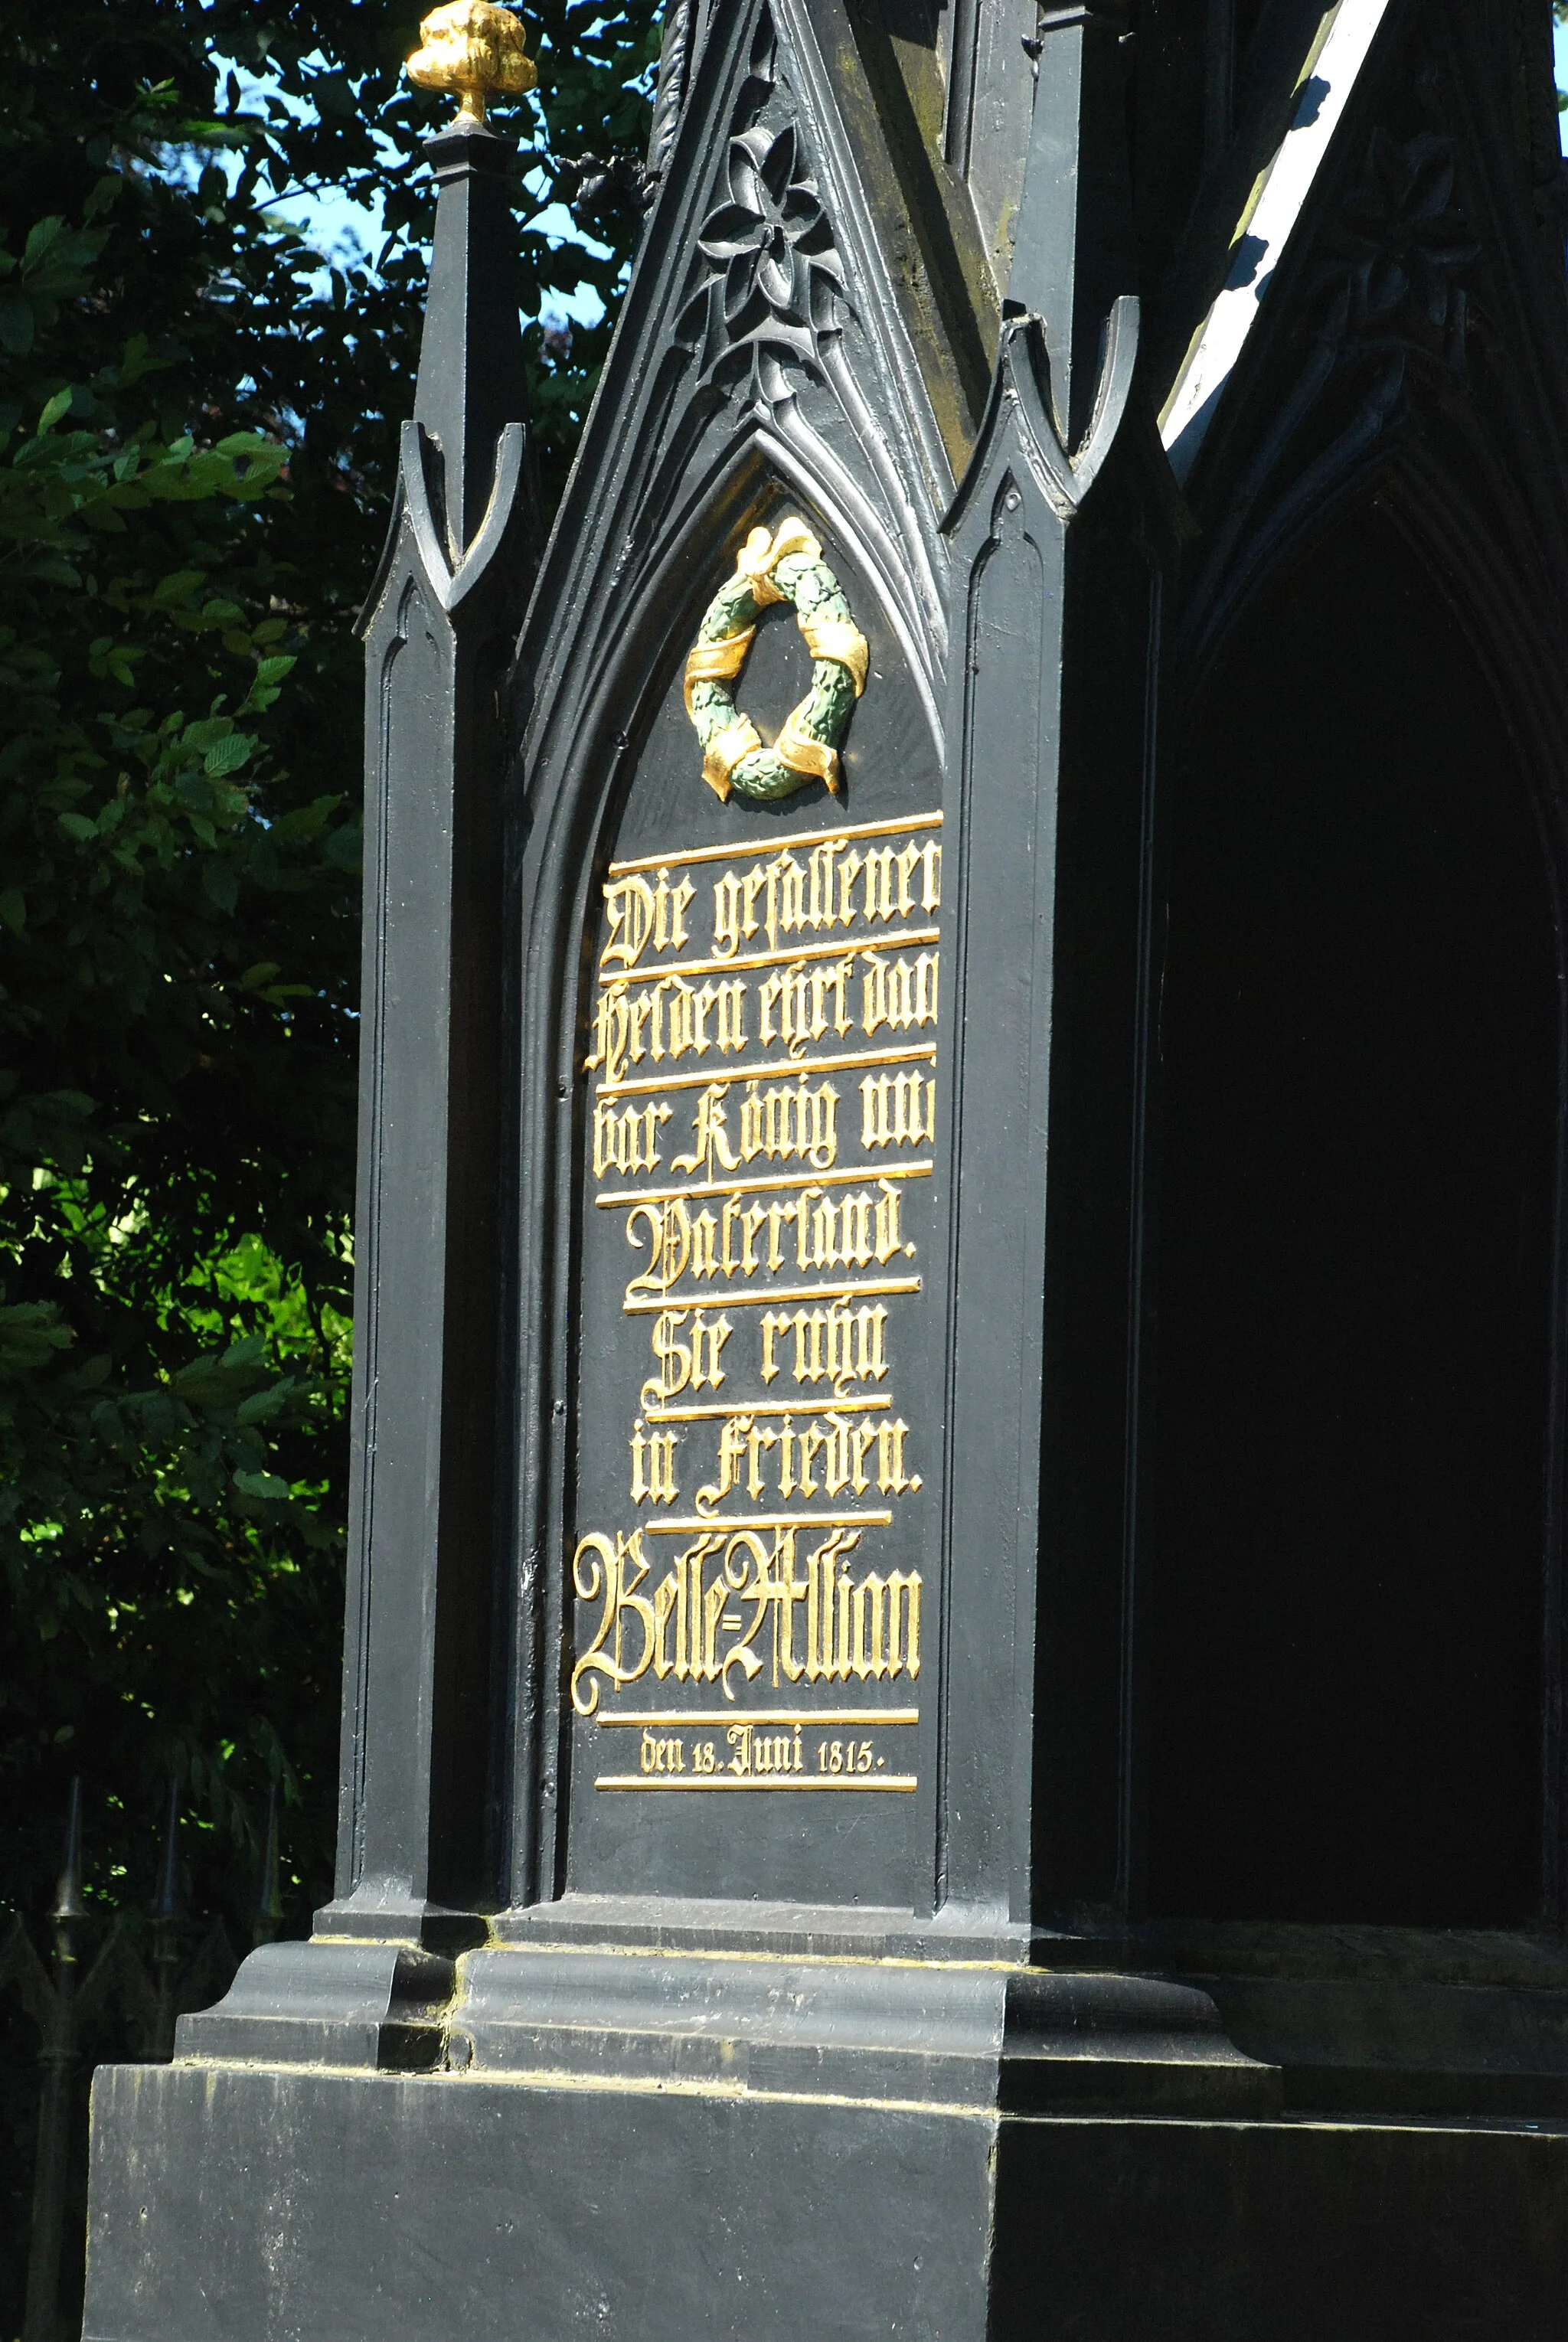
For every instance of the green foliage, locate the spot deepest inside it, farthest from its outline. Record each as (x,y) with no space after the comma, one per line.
(164,1578)
(197,428)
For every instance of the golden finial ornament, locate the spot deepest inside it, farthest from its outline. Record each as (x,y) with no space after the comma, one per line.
(478,52)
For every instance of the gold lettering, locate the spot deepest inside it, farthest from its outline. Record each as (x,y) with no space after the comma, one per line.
(732,1461)
(729,998)
(671,905)
(785,992)
(840,1331)
(884,1626)
(781,898)
(610,1573)
(809,1327)
(611,1023)
(728,932)
(637,913)
(674,999)
(789,1125)
(659,1449)
(669,1230)
(888,871)
(839,1344)
(870,1353)
(674,1357)
(705,1245)
(791,916)
(741,1580)
(711,1150)
(693,1364)
(758,1438)
(734,1211)
(888,1239)
(629,904)
(666,1604)
(866,1620)
(865,1441)
(779,1216)
(901,996)
(830,976)
(904,1588)
(890,1473)
(822,910)
(897,1110)
(869,1628)
(788,1593)
(855,1250)
(814,1667)
(749,1575)
(625,1139)
(761,881)
(659,1756)
(838,1449)
(709,1335)
(714,1598)
(787,1482)
(641,1015)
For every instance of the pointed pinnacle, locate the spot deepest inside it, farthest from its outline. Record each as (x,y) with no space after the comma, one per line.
(68,1900)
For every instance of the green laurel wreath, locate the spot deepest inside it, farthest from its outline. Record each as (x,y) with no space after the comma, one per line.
(787,567)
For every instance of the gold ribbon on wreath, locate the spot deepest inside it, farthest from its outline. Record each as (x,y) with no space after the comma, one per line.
(826,636)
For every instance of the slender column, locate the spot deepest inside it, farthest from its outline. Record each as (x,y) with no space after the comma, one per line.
(1073,254)
(1055,575)
(416,1754)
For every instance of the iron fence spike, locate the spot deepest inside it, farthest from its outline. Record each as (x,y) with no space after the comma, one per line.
(168,1905)
(269,1899)
(69,1903)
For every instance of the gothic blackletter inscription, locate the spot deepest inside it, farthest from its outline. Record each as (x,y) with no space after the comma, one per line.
(751,1574)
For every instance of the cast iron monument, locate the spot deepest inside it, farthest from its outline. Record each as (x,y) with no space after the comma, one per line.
(953,1711)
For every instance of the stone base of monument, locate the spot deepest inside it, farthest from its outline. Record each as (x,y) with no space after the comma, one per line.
(651,2145)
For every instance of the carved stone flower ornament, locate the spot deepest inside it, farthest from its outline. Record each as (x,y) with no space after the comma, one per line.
(770,249)
(1407,241)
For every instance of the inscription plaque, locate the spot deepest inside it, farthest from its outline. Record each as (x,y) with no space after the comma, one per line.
(751,1567)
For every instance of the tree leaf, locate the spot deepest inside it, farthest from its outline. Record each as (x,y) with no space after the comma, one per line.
(227,755)
(261,1484)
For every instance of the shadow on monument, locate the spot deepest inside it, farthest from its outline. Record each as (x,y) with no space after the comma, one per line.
(1359,1046)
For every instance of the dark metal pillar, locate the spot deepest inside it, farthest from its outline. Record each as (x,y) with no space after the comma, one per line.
(1058,538)
(424,1507)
